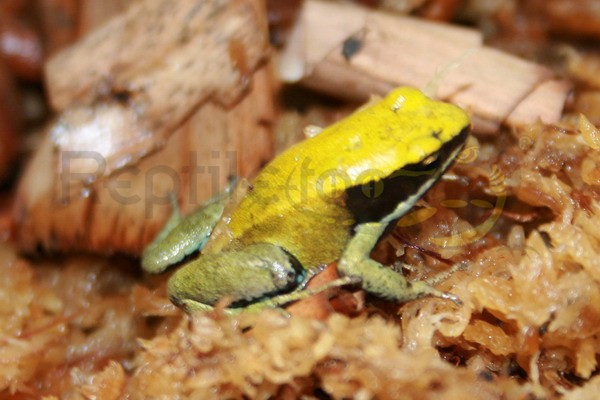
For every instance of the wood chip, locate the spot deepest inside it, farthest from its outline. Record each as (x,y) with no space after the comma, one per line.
(101,179)
(372,52)
(148,70)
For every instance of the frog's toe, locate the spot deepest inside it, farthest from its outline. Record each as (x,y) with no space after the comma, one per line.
(191,306)
(452,297)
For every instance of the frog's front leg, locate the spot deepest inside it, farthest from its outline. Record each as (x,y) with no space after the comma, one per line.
(376,278)
(258,277)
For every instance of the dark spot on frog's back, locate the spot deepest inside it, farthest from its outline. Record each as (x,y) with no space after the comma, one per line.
(374,200)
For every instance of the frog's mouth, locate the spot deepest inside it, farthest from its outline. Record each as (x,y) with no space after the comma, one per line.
(401,190)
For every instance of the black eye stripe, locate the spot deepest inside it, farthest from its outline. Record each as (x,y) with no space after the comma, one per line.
(401,185)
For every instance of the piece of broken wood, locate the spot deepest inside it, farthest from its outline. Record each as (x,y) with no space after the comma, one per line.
(139,122)
(361,52)
(143,72)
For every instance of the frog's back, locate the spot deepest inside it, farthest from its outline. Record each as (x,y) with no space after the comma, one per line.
(298,200)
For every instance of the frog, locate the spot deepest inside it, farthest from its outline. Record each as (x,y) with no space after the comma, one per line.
(328,198)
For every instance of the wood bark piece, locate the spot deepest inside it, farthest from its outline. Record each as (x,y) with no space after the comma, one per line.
(154,38)
(123,211)
(101,179)
(543,98)
(58,23)
(147,69)
(374,52)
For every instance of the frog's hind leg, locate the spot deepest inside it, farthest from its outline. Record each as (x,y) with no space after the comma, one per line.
(276,301)
(182,236)
(442,276)
(245,275)
(252,275)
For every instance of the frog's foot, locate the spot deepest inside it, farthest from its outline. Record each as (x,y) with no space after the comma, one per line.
(191,306)
(255,274)
(376,278)
(277,301)
(442,276)
(383,282)
(286,298)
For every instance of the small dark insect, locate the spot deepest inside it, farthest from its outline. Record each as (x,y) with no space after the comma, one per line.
(351,46)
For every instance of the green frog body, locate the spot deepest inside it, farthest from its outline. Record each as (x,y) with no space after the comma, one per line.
(328,198)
